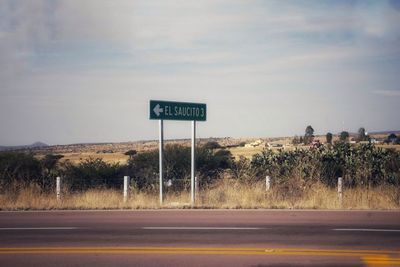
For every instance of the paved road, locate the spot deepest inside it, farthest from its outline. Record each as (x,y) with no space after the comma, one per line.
(200,238)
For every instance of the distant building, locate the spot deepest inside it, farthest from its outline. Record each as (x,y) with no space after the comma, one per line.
(274,145)
(254,144)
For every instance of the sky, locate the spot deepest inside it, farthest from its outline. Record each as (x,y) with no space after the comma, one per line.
(75,71)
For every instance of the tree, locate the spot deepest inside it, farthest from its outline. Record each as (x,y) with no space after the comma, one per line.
(224,158)
(344,136)
(329,138)
(242,144)
(362,136)
(131,153)
(212,145)
(309,135)
(392,138)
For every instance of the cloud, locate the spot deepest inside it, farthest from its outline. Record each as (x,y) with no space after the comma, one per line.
(143,32)
(105,59)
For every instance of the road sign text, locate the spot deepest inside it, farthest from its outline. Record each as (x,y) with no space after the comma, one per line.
(167,110)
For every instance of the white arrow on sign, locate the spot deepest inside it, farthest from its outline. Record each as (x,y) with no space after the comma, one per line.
(157,110)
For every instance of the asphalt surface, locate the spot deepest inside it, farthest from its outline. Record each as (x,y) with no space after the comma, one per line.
(200,238)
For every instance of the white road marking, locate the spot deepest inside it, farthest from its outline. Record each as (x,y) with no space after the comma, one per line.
(201,228)
(366,230)
(38,228)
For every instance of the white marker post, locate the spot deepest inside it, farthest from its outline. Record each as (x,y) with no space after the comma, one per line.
(126,186)
(267,183)
(340,190)
(193,165)
(58,187)
(161,152)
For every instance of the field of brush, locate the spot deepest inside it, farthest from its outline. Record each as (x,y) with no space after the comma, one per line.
(305,178)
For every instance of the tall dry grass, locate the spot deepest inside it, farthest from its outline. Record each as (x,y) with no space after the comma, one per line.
(233,194)
(227,193)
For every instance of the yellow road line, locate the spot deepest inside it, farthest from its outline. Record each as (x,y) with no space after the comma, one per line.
(369,257)
(373,255)
(381,261)
(210,248)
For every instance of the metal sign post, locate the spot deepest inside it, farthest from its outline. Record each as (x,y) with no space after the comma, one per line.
(169,110)
(193,165)
(161,148)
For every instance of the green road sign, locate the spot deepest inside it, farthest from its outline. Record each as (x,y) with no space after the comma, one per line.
(167,110)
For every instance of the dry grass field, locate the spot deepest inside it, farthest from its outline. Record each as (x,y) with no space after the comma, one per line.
(114,152)
(75,158)
(237,152)
(120,158)
(246,152)
(227,193)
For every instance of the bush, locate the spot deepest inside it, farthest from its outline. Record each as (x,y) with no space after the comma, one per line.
(210,163)
(16,167)
(92,173)
(292,171)
(144,167)
(363,165)
(211,145)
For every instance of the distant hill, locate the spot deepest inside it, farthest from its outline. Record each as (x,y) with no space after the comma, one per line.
(38,144)
(385,132)
(32,146)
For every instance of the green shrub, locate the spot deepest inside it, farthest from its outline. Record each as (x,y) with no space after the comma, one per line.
(144,167)
(92,173)
(17,167)
(362,165)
